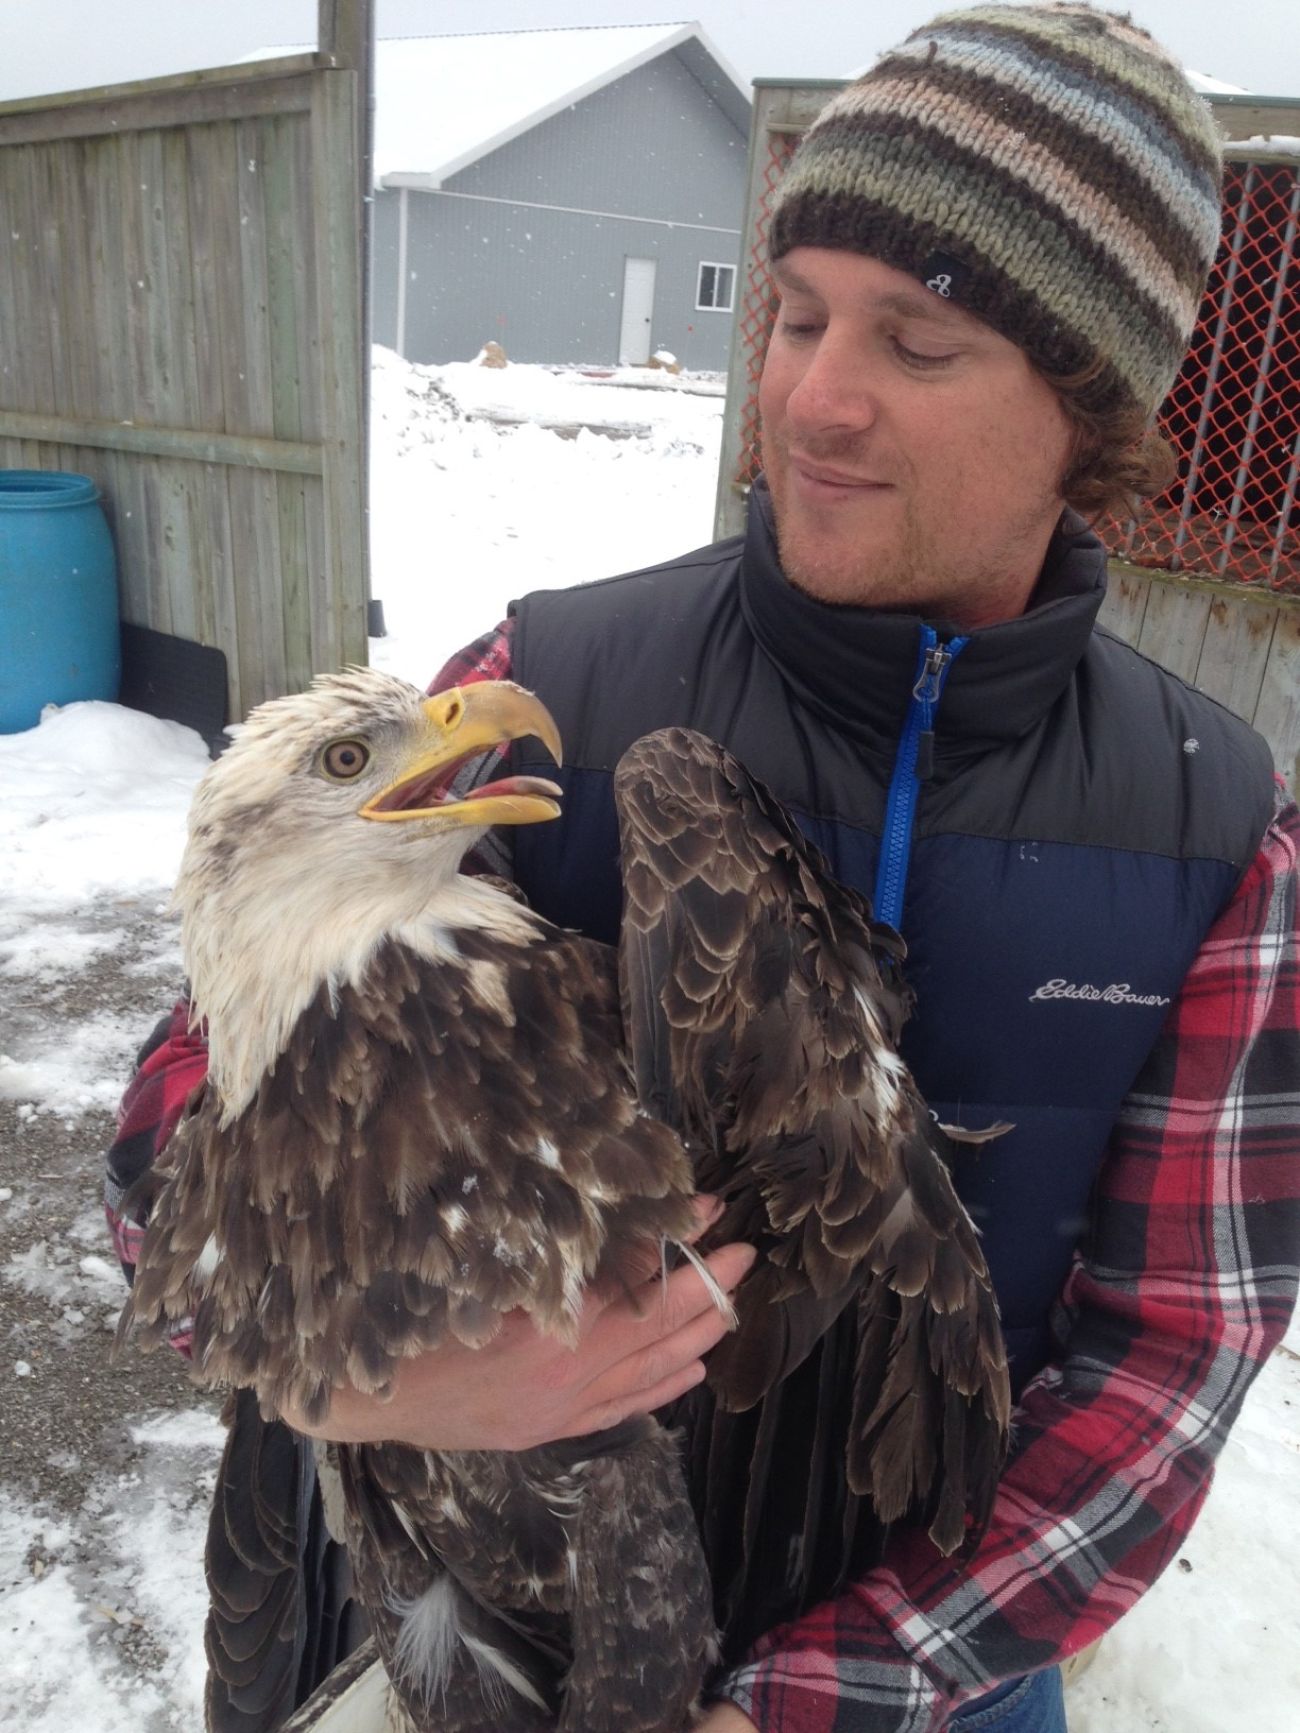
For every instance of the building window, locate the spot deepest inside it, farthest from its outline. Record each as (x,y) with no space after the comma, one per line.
(715,288)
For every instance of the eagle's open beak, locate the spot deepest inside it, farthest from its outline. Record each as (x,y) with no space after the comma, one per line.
(461,725)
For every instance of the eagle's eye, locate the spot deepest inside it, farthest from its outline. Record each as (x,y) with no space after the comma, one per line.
(344,759)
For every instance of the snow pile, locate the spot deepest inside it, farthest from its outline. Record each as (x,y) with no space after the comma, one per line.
(91,831)
(93,812)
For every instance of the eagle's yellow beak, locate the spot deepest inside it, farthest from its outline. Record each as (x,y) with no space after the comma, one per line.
(461,725)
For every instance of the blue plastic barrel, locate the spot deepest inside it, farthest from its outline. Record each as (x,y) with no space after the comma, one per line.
(59,633)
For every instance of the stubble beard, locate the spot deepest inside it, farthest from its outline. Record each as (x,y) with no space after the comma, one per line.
(825,564)
(913,575)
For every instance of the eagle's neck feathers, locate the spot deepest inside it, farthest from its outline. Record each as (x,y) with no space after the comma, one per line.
(257,961)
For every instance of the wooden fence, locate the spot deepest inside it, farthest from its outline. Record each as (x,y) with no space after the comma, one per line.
(180,318)
(1239,644)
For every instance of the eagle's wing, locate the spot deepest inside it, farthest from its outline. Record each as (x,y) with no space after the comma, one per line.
(763,1009)
(280,1613)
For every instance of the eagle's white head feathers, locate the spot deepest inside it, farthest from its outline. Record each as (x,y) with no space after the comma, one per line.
(332,823)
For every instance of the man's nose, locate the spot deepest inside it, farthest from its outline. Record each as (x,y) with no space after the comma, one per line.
(837,389)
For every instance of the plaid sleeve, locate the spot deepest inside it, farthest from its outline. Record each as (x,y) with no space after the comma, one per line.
(487,658)
(1182,1291)
(172,1062)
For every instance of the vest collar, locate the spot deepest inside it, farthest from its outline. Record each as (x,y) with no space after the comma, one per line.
(856,666)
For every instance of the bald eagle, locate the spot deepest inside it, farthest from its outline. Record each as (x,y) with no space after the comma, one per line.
(426,1107)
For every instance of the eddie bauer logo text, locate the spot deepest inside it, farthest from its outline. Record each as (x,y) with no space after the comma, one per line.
(1118,993)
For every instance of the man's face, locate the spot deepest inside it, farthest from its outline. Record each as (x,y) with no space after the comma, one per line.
(913,454)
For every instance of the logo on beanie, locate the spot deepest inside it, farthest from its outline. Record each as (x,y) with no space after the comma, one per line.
(945,275)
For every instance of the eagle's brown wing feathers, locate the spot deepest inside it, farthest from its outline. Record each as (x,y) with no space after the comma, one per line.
(484,1156)
(774,1006)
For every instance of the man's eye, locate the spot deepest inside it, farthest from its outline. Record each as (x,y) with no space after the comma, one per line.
(797,328)
(914,357)
(344,759)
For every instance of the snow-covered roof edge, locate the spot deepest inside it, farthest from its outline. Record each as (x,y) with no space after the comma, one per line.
(1208,86)
(685,36)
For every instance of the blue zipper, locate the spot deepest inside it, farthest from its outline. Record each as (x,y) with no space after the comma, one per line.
(932,668)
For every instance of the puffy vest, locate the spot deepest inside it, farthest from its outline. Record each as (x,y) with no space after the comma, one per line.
(1053,822)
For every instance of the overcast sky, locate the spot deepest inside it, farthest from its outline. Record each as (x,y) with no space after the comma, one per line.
(67,44)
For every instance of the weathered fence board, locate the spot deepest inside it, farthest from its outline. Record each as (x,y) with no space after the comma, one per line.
(1173,629)
(217,525)
(1241,646)
(1277,715)
(338,273)
(180,319)
(1125,606)
(185,100)
(1234,653)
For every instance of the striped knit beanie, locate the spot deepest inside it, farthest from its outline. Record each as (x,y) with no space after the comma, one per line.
(1048,168)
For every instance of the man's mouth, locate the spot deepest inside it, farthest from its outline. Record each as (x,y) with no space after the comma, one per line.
(816,475)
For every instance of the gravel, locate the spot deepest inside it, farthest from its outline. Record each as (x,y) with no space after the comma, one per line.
(69,1416)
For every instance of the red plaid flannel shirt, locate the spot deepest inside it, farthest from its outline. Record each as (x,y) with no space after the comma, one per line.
(1181,1291)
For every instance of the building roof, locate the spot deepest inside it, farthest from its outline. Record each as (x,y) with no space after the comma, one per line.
(1203,82)
(442,102)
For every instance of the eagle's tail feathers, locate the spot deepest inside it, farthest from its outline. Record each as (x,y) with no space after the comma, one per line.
(643,1630)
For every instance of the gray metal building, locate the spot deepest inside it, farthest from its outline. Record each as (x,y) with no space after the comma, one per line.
(576,195)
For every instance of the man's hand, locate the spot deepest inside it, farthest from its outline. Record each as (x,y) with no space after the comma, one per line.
(522,1389)
(725,1718)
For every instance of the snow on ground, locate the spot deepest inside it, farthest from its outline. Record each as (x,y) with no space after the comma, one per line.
(70,1659)
(91,827)
(486,483)
(1213,1648)
(490,482)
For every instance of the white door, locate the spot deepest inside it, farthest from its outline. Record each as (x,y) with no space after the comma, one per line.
(638,311)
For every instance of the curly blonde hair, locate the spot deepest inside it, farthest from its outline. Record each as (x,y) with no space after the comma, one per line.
(1116,457)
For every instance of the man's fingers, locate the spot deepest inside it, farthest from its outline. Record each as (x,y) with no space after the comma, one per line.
(707,1210)
(646,1262)
(685,1294)
(658,1308)
(669,1355)
(685,1324)
(611,1412)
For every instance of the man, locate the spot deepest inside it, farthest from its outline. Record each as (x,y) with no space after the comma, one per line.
(989,252)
